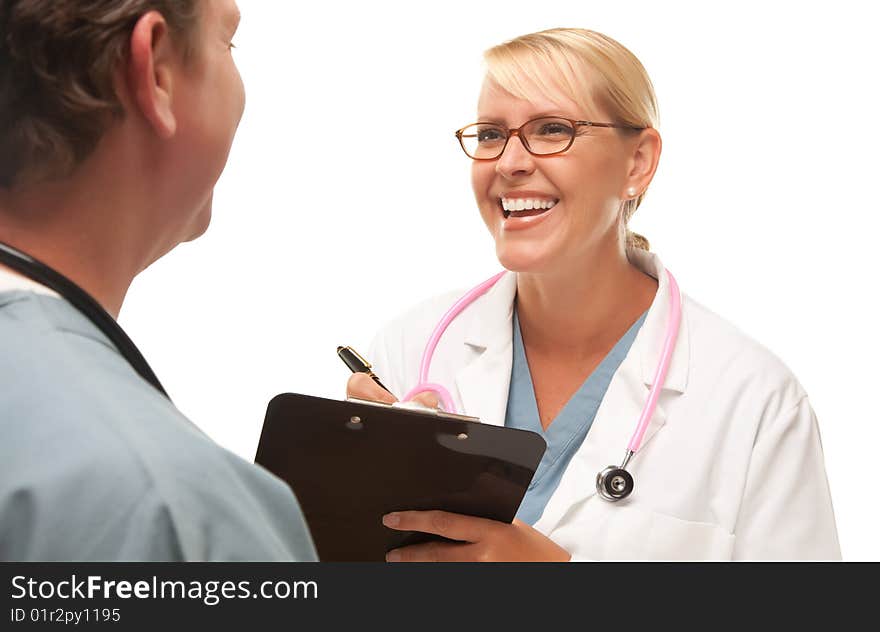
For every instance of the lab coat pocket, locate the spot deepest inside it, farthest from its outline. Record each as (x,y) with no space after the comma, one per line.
(599,530)
(670,538)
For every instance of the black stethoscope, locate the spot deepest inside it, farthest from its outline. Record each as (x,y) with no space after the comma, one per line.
(85,304)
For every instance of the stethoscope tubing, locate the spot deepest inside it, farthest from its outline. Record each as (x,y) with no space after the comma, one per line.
(38,271)
(662,366)
(428,354)
(614,483)
(446,400)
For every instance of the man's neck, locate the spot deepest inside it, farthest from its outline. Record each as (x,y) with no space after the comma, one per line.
(86,265)
(82,227)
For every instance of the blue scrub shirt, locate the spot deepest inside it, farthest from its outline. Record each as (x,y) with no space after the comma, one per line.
(96,465)
(567,431)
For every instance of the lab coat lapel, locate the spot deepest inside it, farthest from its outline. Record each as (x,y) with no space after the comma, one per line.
(483,383)
(653,333)
(648,346)
(607,440)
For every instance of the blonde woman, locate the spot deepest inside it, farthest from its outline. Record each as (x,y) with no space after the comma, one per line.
(566,343)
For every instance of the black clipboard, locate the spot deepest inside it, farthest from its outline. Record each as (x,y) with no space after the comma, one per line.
(351,462)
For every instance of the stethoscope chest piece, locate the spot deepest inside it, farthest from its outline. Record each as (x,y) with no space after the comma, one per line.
(614,483)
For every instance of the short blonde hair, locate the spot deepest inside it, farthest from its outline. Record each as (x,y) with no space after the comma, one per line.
(592,70)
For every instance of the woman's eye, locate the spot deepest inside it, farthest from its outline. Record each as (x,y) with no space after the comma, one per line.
(489,135)
(555,129)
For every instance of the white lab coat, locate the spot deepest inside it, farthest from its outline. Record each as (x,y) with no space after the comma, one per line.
(731,466)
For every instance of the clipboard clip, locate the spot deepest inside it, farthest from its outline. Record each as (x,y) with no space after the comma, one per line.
(416,408)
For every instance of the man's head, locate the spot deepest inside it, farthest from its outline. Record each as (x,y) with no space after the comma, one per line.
(153,76)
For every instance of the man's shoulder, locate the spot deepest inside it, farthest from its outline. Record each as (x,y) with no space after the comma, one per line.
(63,388)
(84,400)
(92,489)
(84,435)
(45,340)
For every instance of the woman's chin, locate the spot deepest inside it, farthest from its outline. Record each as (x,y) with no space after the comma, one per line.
(524,258)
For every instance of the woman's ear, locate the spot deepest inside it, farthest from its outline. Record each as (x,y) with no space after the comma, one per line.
(643,162)
(151,72)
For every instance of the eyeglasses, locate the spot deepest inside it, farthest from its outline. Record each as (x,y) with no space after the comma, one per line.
(544,136)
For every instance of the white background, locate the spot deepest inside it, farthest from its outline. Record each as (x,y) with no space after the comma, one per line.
(346,199)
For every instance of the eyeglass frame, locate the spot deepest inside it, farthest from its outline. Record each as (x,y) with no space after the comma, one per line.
(515,131)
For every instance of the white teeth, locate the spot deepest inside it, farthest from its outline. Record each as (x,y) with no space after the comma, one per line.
(526,204)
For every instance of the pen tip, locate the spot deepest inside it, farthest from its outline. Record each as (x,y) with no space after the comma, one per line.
(339,348)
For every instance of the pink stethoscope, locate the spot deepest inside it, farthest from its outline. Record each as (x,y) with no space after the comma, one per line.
(614,482)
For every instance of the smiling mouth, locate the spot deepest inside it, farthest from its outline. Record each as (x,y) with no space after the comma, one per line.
(525,207)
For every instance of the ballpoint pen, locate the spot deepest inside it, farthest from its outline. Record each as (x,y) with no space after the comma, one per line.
(354,361)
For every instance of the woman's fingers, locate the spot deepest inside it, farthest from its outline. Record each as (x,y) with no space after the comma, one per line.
(433,552)
(479,539)
(362,386)
(449,525)
(427,399)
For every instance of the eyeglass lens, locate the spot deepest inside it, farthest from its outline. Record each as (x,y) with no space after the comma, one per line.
(541,136)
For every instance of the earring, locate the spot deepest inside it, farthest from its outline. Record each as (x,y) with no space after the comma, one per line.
(631,192)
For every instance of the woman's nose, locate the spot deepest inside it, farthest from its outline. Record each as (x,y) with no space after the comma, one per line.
(515,160)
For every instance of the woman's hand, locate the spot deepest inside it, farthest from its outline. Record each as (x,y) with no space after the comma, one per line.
(362,386)
(483,540)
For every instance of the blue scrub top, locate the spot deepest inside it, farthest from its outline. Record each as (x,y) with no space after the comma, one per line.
(96,465)
(567,431)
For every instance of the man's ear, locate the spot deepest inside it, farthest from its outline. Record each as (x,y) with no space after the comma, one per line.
(150,74)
